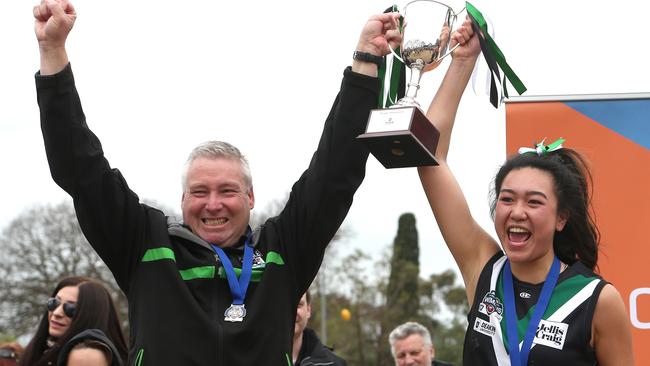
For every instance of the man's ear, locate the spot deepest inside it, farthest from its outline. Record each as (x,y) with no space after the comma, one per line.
(251,198)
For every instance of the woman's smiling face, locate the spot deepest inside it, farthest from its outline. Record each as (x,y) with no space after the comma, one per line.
(526,215)
(58,321)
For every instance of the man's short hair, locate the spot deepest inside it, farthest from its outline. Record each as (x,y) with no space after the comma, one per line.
(218,150)
(407,329)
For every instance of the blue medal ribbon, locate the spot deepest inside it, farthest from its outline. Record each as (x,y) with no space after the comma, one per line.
(237,286)
(518,358)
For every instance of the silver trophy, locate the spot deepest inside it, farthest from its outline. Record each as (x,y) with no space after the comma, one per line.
(421,50)
(402,136)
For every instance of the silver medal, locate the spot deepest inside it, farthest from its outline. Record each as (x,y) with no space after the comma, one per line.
(235,313)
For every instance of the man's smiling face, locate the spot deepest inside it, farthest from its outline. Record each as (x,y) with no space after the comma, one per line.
(217,202)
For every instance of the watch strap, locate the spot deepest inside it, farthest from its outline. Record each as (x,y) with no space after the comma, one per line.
(368,57)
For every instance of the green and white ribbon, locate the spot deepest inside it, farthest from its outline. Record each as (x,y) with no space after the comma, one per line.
(494,57)
(393,78)
(541,149)
(394,74)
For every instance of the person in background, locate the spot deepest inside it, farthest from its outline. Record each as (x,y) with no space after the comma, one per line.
(411,345)
(91,347)
(77,304)
(307,348)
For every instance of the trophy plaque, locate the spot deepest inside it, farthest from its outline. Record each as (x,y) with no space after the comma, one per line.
(401,135)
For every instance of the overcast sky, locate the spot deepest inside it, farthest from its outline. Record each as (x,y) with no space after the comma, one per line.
(157,77)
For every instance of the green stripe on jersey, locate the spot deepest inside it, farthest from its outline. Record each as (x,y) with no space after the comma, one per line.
(163,253)
(156,254)
(562,293)
(256,274)
(197,272)
(139,357)
(274,257)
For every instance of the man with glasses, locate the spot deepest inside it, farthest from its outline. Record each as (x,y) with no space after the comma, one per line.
(208,290)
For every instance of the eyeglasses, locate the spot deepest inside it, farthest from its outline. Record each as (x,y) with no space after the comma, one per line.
(68,308)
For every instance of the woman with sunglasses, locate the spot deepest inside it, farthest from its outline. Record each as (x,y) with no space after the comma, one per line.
(77,304)
(534,296)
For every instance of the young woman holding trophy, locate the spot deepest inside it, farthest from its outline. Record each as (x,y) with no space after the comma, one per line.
(533,294)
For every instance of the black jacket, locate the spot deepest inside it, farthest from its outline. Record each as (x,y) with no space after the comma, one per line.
(174,282)
(89,334)
(313,352)
(440,363)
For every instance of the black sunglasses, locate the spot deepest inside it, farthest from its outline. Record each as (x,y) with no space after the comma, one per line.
(68,309)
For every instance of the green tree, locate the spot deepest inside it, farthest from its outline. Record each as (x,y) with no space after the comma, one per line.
(386,292)
(402,293)
(444,303)
(357,340)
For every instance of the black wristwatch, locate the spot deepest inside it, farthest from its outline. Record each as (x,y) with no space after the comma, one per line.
(368,57)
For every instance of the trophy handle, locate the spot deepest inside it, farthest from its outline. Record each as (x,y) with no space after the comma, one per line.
(455,18)
(448,52)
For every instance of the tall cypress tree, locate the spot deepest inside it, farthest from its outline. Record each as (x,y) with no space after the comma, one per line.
(402,292)
(402,296)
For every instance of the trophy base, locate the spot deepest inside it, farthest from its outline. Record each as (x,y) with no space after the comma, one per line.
(401,137)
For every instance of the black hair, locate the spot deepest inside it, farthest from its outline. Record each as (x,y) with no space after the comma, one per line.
(579,239)
(96,309)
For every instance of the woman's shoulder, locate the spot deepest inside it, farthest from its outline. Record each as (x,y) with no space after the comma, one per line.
(611,337)
(579,268)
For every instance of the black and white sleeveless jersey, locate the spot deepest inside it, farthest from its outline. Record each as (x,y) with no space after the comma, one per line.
(563,334)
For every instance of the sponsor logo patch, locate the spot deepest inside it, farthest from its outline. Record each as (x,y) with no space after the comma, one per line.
(551,334)
(524,295)
(484,327)
(258,262)
(491,305)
